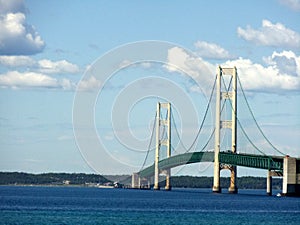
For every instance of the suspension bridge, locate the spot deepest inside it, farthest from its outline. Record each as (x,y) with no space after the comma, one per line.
(222,158)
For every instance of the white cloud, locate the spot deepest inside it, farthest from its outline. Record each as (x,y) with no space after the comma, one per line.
(271,35)
(211,51)
(196,68)
(275,77)
(16,36)
(66,84)
(16,61)
(256,77)
(127,63)
(292,4)
(41,66)
(15,79)
(63,66)
(90,84)
(286,62)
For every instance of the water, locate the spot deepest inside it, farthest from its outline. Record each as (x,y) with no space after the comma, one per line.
(74,205)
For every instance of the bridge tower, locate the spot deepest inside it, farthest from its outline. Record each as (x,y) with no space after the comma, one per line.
(221,96)
(161,141)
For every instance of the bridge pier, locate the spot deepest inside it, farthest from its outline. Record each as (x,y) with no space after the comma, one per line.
(232,188)
(216,186)
(135,181)
(291,180)
(138,182)
(269,183)
(168,182)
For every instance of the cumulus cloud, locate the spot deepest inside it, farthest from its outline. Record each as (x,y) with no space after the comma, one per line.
(191,65)
(286,62)
(269,78)
(181,61)
(62,66)
(89,84)
(128,63)
(42,66)
(292,4)
(276,76)
(211,51)
(16,61)
(15,79)
(271,35)
(16,36)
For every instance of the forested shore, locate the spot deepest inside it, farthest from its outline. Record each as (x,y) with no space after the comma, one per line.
(82,179)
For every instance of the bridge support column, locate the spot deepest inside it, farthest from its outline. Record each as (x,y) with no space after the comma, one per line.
(156,160)
(216,185)
(232,188)
(222,96)
(269,183)
(135,181)
(162,141)
(289,182)
(168,181)
(168,144)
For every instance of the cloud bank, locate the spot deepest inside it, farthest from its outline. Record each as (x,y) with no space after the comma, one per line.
(281,72)
(36,74)
(43,66)
(15,79)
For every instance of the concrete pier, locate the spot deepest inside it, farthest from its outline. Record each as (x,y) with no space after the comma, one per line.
(291,181)
(135,181)
(269,183)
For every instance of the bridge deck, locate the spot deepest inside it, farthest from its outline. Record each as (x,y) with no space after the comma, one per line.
(246,160)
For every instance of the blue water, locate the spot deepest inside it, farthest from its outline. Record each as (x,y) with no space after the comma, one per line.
(73,205)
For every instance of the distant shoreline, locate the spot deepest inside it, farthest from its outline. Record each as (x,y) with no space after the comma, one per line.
(101,181)
(54,185)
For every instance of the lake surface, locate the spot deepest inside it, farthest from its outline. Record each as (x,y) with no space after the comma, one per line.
(79,205)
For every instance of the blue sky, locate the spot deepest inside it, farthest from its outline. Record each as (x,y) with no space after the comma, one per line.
(46,47)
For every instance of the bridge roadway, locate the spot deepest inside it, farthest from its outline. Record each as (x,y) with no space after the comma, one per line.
(247,160)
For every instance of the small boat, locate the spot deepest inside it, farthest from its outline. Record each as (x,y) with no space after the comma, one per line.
(278,195)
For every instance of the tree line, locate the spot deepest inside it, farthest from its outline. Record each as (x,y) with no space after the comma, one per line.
(19,178)
(207,182)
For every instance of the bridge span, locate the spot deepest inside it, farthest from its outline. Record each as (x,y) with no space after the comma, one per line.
(226,158)
(285,166)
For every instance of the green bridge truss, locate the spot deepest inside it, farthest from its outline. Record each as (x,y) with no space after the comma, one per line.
(246,160)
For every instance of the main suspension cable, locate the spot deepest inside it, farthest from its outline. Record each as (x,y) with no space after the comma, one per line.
(256,123)
(204,117)
(244,132)
(151,138)
(222,108)
(202,123)
(206,144)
